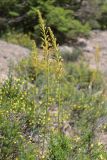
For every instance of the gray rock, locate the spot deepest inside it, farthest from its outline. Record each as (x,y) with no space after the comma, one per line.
(10,54)
(97,39)
(66,49)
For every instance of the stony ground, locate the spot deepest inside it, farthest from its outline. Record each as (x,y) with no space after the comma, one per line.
(9,55)
(96,43)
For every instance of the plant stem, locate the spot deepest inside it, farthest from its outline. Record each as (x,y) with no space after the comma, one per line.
(59,106)
(47,101)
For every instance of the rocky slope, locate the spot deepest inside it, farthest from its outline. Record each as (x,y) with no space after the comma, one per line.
(96,44)
(9,55)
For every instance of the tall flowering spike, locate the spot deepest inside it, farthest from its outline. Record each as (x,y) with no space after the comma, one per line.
(59,70)
(45,46)
(41,22)
(53,39)
(59,65)
(45,43)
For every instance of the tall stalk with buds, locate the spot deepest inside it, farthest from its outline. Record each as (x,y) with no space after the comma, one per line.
(45,47)
(58,74)
(53,69)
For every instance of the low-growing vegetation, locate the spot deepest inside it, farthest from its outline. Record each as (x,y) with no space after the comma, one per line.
(18,38)
(49,109)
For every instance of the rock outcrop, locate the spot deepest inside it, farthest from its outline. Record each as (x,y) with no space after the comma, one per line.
(10,54)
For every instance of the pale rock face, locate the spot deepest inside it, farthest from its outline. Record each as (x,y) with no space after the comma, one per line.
(10,54)
(96,39)
(65,49)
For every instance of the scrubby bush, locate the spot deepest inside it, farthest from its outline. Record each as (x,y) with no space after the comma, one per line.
(16,117)
(18,38)
(59,147)
(68,19)
(72,55)
(84,77)
(21,16)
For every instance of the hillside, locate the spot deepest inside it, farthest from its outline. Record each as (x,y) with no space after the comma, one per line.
(53,90)
(96,42)
(10,54)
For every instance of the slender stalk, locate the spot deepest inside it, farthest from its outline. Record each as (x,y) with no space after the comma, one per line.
(49,42)
(59,73)
(45,47)
(47,94)
(34,60)
(47,102)
(59,106)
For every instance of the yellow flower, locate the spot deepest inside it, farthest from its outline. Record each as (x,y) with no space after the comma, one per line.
(92,145)
(99,143)
(49,119)
(77,138)
(101,157)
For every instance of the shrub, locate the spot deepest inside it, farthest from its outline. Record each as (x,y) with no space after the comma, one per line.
(71,55)
(59,147)
(83,76)
(18,38)
(21,16)
(16,118)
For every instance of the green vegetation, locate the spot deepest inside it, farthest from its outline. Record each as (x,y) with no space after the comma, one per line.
(50,109)
(68,19)
(18,38)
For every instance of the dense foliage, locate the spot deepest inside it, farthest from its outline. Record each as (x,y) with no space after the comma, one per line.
(68,19)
